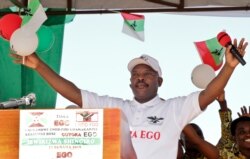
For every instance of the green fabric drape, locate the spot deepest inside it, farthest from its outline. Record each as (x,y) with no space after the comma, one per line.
(17,81)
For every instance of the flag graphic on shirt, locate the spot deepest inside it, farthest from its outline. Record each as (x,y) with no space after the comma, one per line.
(211,52)
(35,16)
(133,25)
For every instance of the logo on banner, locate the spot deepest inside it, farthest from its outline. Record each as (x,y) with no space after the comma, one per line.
(37,119)
(87,116)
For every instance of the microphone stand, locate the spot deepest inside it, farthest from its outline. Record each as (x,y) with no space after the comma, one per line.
(28,100)
(13,107)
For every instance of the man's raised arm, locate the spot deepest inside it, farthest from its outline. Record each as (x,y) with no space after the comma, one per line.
(66,88)
(217,85)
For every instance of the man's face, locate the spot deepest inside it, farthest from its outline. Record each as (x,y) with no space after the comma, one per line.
(144,83)
(242,135)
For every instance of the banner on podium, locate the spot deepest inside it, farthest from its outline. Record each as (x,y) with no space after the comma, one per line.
(66,133)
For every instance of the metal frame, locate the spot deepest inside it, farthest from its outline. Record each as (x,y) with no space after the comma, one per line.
(171,7)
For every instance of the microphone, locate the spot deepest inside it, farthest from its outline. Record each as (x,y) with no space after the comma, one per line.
(225,40)
(14,103)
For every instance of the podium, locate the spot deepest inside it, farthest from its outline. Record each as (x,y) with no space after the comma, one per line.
(9,134)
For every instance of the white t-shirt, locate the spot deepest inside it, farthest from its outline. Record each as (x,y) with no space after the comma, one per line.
(156,125)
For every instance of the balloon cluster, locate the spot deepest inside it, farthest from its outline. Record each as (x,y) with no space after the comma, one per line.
(22,41)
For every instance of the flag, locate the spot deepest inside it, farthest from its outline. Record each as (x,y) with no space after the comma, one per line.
(211,52)
(35,16)
(133,25)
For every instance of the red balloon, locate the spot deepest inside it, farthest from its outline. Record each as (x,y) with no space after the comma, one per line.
(8,24)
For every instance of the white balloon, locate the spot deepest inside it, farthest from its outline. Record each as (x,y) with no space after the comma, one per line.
(23,42)
(202,75)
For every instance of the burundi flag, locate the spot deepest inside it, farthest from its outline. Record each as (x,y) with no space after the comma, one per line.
(211,52)
(34,16)
(133,25)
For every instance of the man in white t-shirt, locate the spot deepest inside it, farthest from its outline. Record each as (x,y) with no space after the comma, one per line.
(155,124)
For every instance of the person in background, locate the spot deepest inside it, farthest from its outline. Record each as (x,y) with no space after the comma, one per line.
(194,144)
(193,133)
(229,145)
(240,132)
(192,150)
(180,152)
(236,147)
(226,140)
(155,124)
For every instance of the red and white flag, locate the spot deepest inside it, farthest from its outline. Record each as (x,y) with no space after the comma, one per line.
(211,52)
(133,25)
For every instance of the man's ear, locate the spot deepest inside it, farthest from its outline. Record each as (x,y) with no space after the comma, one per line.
(160,80)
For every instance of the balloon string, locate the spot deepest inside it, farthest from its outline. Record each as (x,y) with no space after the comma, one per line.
(23,60)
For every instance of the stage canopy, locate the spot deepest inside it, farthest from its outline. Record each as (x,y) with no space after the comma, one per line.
(208,7)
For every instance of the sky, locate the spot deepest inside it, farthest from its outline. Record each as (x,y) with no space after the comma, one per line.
(96,54)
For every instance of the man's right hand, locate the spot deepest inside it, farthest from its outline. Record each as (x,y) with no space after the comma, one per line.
(31,61)
(66,88)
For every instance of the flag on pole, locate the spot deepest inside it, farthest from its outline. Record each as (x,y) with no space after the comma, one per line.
(211,52)
(133,25)
(35,16)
